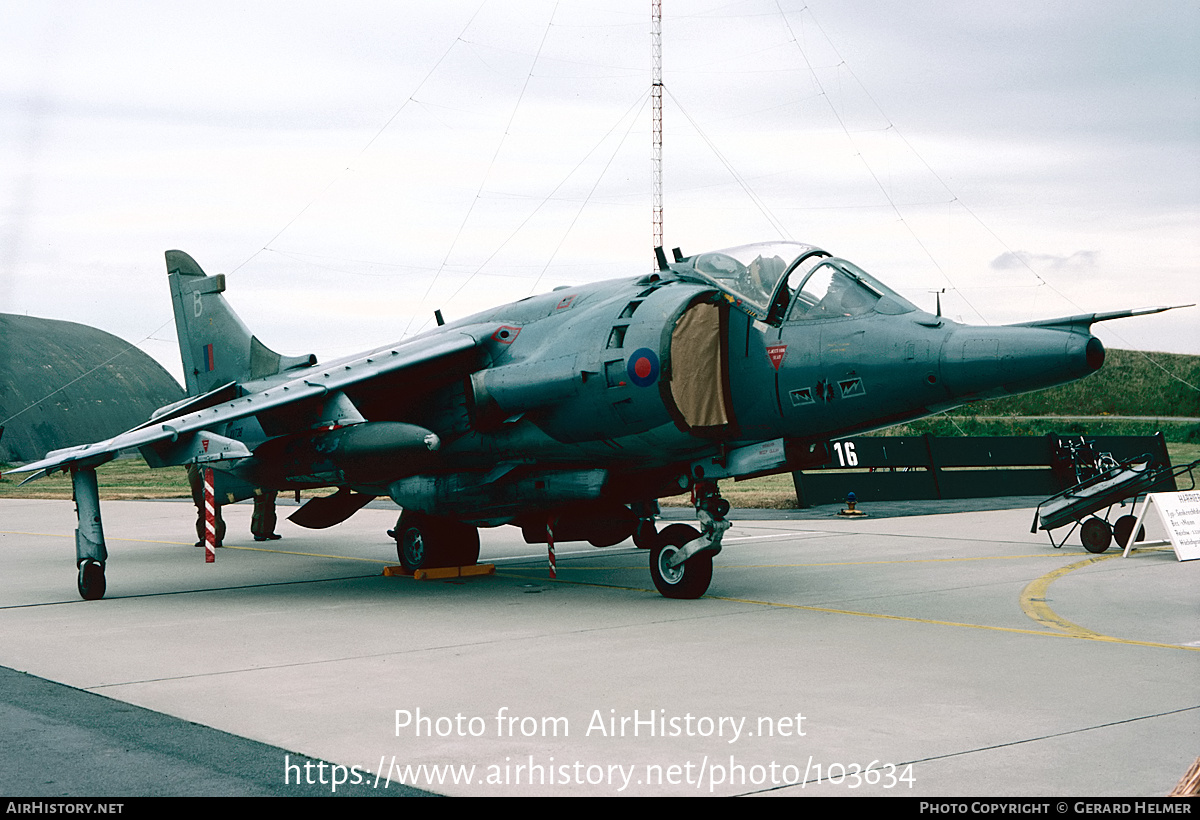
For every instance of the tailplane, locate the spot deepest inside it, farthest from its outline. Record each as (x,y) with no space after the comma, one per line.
(215,345)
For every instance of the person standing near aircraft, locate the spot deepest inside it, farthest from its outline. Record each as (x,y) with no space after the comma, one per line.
(262,522)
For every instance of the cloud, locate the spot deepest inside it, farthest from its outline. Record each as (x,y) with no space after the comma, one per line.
(1078,261)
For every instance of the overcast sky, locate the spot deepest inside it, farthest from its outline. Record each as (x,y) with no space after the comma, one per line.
(354,166)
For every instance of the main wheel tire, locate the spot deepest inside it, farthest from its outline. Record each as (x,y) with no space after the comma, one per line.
(427,541)
(1124,527)
(688,580)
(462,542)
(1096,534)
(91,580)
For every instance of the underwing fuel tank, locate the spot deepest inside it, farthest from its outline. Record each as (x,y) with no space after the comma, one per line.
(984,362)
(357,454)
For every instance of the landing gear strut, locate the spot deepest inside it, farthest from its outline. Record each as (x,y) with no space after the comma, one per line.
(681,560)
(645,536)
(90,552)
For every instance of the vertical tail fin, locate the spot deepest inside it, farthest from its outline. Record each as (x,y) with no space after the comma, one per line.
(215,345)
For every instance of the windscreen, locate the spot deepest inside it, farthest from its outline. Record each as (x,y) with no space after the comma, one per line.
(750,275)
(836,288)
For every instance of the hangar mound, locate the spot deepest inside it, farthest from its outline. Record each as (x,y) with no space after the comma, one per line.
(43,360)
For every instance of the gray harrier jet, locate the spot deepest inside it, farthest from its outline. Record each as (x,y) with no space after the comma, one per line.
(568,414)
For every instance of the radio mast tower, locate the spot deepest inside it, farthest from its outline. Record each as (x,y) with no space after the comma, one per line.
(656,90)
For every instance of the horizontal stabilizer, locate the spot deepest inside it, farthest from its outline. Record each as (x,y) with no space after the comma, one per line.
(319,513)
(192,404)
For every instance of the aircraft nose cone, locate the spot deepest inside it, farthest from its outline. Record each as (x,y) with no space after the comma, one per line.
(982,362)
(1094,353)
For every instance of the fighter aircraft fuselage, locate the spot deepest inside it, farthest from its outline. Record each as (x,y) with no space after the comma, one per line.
(606,392)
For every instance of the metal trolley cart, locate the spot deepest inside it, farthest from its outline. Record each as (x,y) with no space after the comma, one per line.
(1108,487)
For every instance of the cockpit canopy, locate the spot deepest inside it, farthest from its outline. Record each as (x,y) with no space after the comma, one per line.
(789,281)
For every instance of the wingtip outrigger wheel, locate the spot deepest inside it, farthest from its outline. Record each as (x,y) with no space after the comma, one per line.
(91,580)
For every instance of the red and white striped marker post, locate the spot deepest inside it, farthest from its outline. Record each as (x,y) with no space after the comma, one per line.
(550,545)
(210,518)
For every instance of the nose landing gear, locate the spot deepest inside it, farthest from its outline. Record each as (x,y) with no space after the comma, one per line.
(681,559)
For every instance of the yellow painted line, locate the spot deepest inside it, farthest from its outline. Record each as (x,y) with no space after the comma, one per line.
(225,547)
(310,554)
(900,561)
(726,566)
(1033,599)
(1078,633)
(1034,593)
(1089,637)
(71,536)
(549,580)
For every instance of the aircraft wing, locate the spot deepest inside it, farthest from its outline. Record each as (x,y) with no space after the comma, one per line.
(455,348)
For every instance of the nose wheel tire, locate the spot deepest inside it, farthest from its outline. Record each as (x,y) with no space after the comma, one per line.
(688,580)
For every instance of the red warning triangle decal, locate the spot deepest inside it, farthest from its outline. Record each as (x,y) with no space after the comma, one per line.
(775,354)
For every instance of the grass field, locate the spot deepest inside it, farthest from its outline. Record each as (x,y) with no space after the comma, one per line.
(122,478)
(953,424)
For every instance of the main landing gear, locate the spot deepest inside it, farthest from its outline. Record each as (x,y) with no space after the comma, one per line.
(681,556)
(427,541)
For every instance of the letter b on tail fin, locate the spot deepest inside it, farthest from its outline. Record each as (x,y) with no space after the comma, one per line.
(215,345)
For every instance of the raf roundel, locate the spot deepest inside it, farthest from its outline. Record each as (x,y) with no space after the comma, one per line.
(643,367)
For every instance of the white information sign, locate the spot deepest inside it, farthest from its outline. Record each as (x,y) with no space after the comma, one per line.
(1180,514)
